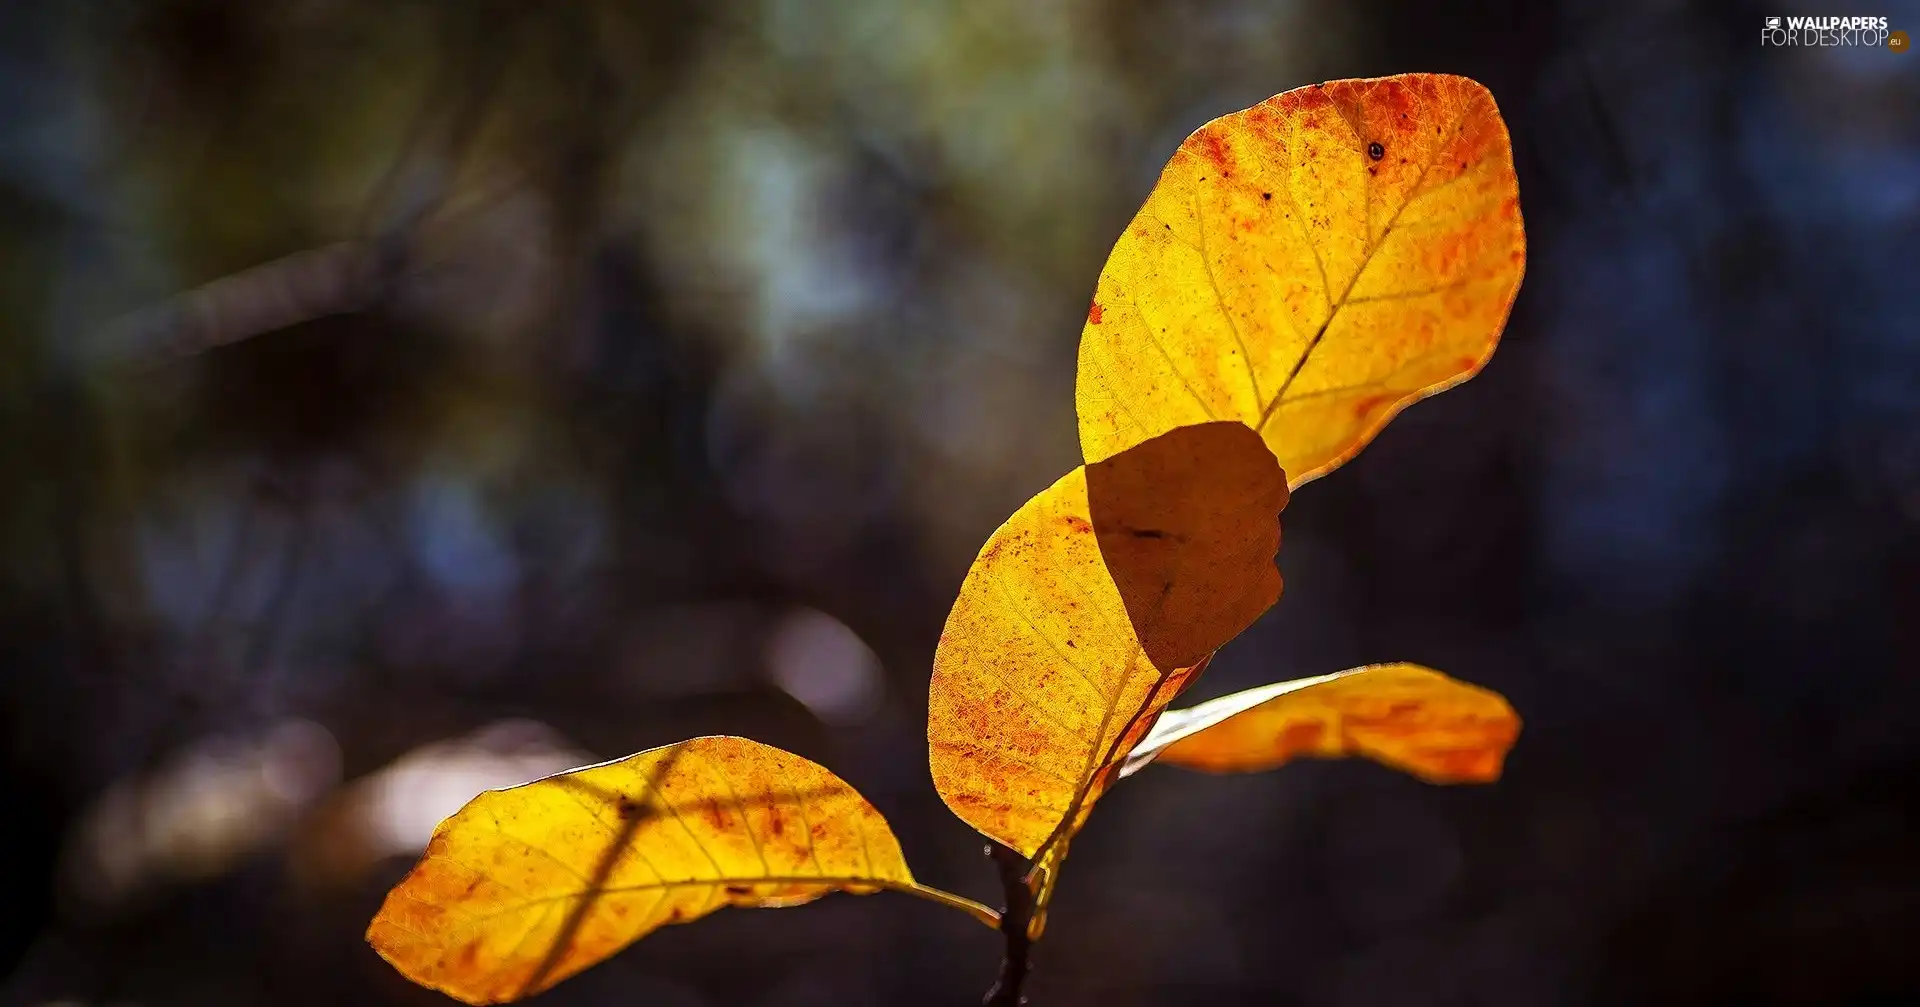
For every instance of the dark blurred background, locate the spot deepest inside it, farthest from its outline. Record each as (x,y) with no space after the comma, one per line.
(401,399)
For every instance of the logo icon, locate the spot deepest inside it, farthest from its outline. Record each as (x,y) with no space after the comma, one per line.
(1773,24)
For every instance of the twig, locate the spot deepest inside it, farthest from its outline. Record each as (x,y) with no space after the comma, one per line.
(1013,926)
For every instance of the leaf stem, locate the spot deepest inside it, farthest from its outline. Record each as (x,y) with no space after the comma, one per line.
(1013,927)
(946,898)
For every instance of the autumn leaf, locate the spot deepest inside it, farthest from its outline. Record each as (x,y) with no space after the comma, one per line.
(1411,718)
(1309,266)
(526,886)
(1086,613)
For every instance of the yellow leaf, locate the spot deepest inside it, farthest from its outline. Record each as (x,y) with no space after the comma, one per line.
(526,886)
(1405,716)
(1086,614)
(1309,266)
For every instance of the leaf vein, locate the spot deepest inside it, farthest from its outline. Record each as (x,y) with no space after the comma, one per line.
(1371,257)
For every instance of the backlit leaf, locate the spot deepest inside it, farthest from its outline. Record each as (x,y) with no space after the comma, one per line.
(526,886)
(1405,716)
(1309,266)
(1086,613)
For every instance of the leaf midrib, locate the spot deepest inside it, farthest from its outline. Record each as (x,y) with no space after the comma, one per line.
(833,882)
(1374,246)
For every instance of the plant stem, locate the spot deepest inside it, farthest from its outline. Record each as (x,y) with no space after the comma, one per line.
(1013,927)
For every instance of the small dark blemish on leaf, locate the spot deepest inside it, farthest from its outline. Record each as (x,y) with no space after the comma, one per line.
(739,890)
(1266,195)
(629,809)
(1375,151)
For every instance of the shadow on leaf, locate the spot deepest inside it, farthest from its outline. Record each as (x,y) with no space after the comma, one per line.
(1188,524)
